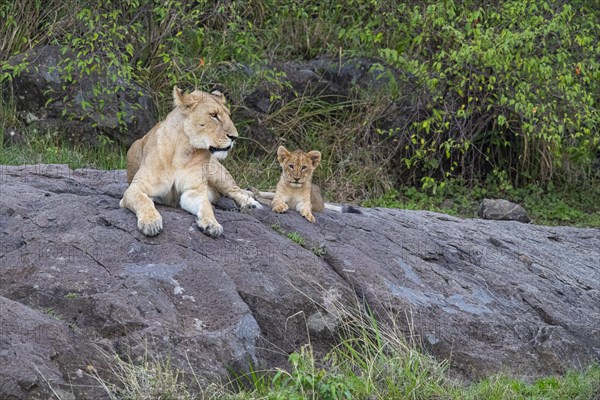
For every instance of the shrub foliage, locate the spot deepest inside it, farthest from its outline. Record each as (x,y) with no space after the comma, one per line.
(509,88)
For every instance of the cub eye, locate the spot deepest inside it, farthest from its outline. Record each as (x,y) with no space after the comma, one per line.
(214,115)
(291,166)
(303,167)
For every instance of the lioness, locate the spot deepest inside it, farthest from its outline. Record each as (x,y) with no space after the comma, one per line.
(295,188)
(176,163)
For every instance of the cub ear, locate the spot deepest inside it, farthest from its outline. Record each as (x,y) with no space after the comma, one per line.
(220,97)
(180,99)
(282,154)
(315,157)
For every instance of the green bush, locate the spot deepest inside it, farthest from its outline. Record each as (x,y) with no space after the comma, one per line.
(512,87)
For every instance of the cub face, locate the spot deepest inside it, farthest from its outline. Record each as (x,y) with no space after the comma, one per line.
(298,166)
(207,122)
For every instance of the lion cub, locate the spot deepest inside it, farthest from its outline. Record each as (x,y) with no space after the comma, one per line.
(295,188)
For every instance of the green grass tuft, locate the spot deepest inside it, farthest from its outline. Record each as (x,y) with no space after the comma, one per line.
(296,238)
(48,148)
(578,206)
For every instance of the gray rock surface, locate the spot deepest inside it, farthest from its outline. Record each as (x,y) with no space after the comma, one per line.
(502,210)
(76,276)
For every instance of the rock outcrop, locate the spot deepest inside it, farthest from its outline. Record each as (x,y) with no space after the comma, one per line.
(334,81)
(77,279)
(52,92)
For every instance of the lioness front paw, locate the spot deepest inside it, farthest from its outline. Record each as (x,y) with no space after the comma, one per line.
(150,223)
(280,207)
(211,228)
(251,203)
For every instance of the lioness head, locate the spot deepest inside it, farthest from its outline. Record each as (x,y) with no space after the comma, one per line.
(207,122)
(298,166)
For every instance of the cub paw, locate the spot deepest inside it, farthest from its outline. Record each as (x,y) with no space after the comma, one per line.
(280,208)
(211,228)
(309,217)
(150,223)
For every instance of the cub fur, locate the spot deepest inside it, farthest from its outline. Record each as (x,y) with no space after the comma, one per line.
(295,188)
(176,163)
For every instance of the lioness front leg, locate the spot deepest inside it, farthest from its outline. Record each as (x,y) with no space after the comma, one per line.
(243,198)
(305,210)
(149,220)
(221,179)
(196,202)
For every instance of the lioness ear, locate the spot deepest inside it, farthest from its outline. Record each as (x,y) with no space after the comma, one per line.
(315,157)
(220,97)
(282,154)
(181,100)
(177,96)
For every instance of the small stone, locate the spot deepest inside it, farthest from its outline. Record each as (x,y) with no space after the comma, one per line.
(502,210)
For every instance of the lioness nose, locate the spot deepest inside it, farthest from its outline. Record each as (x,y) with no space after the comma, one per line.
(232,137)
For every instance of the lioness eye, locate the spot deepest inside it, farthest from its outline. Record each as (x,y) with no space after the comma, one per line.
(291,166)
(213,115)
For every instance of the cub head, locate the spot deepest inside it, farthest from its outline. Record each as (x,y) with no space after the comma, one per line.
(206,121)
(298,166)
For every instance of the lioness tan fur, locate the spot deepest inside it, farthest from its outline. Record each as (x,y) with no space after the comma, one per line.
(177,163)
